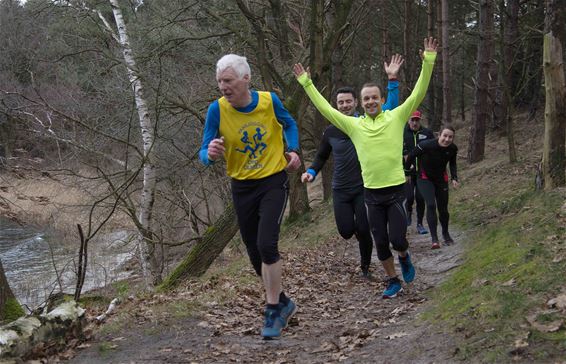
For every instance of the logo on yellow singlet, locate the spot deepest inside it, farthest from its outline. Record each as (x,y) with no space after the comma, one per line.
(252,143)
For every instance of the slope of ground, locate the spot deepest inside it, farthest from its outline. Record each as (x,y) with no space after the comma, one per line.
(341,316)
(503,296)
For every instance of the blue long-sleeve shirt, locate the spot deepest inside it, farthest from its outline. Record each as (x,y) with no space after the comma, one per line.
(212,124)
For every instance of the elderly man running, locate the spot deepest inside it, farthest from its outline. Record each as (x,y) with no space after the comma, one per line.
(248,129)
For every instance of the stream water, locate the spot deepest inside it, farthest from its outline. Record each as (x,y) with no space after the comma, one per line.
(37,266)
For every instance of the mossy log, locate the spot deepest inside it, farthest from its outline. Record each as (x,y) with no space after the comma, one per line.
(203,254)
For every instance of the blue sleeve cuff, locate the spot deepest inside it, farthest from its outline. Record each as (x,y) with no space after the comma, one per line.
(203,156)
(392,84)
(312,172)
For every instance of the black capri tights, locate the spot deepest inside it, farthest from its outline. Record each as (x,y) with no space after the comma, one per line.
(260,205)
(387,219)
(435,195)
(351,218)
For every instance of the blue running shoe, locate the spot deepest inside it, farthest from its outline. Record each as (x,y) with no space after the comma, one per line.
(393,288)
(273,325)
(287,311)
(407,268)
(421,229)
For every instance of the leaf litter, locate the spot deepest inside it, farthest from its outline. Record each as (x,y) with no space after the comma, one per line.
(341,315)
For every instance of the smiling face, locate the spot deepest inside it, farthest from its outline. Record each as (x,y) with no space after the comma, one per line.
(233,88)
(346,103)
(446,137)
(371,100)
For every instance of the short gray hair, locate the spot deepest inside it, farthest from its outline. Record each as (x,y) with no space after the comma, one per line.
(238,63)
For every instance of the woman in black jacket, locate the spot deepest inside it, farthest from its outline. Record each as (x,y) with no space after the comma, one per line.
(432,179)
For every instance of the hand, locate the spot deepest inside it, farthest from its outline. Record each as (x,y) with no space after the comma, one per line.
(298,70)
(306,177)
(408,179)
(455,184)
(430,44)
(216,149)
(294,161)
(392,69)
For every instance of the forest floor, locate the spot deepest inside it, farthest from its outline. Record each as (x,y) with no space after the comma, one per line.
(341,316)
(497,295)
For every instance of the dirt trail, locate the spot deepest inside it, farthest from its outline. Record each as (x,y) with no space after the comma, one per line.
(341,318)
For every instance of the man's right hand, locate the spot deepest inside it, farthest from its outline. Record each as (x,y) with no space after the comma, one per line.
(392,69)
(307,177)
(216,149)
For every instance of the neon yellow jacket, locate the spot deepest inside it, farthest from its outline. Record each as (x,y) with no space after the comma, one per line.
(379,141)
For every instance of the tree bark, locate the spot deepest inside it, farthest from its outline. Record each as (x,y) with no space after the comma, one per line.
(203,254)
(480,110)
(554,159)
(146,239)
(447,105)
(433,117)
(409,66)
(510,23)
(10,309)
(439,65)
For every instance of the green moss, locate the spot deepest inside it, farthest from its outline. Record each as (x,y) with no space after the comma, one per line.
(507,272)
(122,288)
(12,310)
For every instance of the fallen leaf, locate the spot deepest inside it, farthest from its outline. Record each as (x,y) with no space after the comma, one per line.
(396,335)
(326,346)
(558,302)
(509,283)
(544,327)
(203,324)
(479,282)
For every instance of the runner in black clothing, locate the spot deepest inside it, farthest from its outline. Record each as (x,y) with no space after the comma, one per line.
(433,180)
(413,134)
(347,185)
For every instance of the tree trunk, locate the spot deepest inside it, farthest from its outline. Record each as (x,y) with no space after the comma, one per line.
(480,110)
(203,254)
(554,160)
(147,127)
(322,78)
(447,105)
(10,309)
(438,84)
(510,22)
(408,46)
(433,117)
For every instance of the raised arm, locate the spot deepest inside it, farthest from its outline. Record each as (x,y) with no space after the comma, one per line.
(392,70)
(342,121)
(412,102)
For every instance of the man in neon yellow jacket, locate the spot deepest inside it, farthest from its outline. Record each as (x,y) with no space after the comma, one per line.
(378,138)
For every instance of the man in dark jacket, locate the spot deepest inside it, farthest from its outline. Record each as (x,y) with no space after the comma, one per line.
(414,133)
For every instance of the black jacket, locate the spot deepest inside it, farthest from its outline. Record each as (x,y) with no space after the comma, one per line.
(432,161)
(411,139)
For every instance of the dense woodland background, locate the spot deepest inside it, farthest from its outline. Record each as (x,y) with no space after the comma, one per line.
(111,95)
